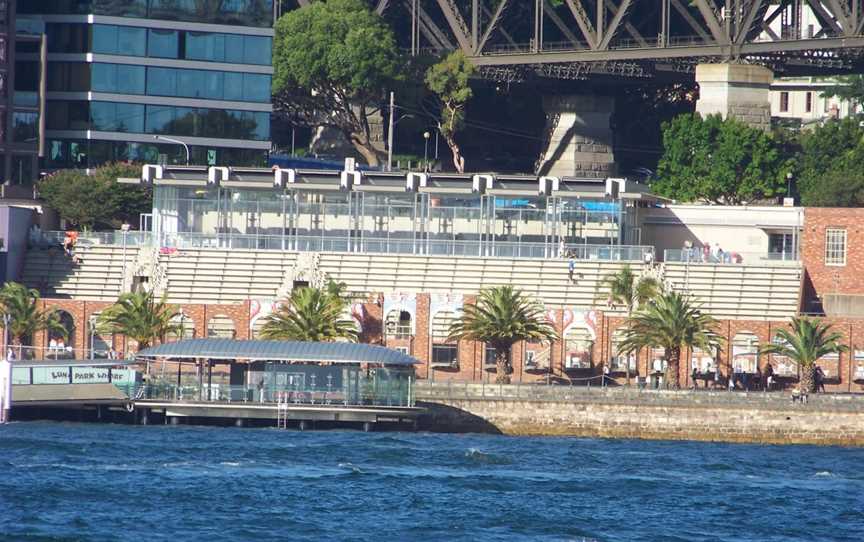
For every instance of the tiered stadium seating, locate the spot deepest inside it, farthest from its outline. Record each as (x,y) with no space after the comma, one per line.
(762,292)
(98,275)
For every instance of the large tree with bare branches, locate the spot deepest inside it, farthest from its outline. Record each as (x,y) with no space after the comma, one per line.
(333,64)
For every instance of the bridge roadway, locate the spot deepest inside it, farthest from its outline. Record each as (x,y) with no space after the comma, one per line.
(506,38)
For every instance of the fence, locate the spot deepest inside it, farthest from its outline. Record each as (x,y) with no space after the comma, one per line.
(697,255)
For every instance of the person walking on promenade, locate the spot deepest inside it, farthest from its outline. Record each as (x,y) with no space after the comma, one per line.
(820,379)
(693,376)
(769,377)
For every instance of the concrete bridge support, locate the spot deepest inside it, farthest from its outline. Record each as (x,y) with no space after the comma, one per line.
(740,91)
(578,137)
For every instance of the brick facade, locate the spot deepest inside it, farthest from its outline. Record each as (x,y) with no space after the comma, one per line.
(819,277)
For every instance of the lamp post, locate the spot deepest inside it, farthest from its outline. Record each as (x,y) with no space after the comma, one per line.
(172,140)
(125,229)
(426,136)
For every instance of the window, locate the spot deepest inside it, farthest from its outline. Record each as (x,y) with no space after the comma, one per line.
(119,40)
(784,102)
(22,168)
(25,126)
(445,354)
(119,78)
(162,43)
(808,104)
(835,247)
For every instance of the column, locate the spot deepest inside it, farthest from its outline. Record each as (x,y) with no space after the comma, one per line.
(578,137)
(741,91)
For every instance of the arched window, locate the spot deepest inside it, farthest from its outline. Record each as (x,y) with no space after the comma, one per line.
(621,362)
(256,327)
(221,327)
(659,363)
(745,352)
(186,328)
(398,324)
(578,345)
(444,353)
(60,345)
(703,362)
(100,340)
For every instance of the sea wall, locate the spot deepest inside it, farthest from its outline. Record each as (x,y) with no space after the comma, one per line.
(662,415)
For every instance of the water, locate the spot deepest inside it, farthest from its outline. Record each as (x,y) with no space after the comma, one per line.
(64,482)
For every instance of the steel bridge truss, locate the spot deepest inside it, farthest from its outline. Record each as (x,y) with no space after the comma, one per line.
(574,39)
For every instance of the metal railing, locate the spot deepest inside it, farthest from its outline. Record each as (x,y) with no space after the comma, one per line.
(396,393)
(697,255)
(116,237)
(62,352)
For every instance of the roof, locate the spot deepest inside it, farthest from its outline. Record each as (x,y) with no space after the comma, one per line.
(277,351)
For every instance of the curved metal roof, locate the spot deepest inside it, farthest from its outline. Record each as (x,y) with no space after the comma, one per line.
(277,351)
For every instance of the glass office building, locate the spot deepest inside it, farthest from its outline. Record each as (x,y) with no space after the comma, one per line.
(125,77)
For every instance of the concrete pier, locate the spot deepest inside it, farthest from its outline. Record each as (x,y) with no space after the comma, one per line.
(740,91)
(579,137)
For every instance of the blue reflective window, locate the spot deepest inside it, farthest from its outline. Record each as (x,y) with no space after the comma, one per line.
(161,82)
(120,78)
(205,46)
(162,43)
(256,88)
(159,119)
(257,50)
(233,86)
(119,40)
(234,48)
(129,118)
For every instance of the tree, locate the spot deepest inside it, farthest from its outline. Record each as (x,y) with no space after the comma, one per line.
(449,80)
(831,159)
(312,314)
(631,291)
(501,317)
(141,317)
(717,160)
(806,343)
(847,87)
(96,200)
(670,322)
(20,305)
(333,62)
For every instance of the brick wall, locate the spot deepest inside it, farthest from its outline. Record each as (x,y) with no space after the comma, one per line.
(820,278)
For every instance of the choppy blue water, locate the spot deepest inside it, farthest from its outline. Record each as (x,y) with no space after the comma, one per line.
(127,483)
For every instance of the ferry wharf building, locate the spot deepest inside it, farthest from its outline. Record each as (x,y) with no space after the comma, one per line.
(228,244)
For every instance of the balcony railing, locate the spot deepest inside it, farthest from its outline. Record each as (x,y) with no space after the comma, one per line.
(697,256)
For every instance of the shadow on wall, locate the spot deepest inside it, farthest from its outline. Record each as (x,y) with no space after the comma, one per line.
(440,418)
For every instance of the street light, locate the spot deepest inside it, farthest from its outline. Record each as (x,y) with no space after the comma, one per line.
(426,150)
(172,140)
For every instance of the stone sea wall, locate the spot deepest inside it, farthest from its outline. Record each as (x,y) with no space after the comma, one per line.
(703,416)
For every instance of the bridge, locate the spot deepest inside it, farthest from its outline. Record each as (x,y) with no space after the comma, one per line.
(573,39)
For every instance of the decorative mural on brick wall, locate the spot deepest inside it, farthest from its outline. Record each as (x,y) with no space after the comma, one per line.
(445,302)
(258,310)
(580,333)
(400,314)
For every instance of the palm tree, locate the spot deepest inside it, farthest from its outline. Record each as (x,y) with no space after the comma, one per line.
(312,314)
(18,304)
(627,289)
(141,317)
(673,323)
(807,342)
(501,317)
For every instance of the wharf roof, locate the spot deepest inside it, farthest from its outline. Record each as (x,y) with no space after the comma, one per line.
(256,350)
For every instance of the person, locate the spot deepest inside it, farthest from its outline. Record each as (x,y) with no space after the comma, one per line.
(605,374)
(10,354)
(706,252)
(716,377)
(571,266)
(769,377)
(261,391)
(693,376)
(721,256)
(52,347)
(561,252)
(731,383)
(820,379)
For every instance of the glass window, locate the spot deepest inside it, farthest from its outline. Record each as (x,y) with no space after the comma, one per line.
(445,354)
(257,50)
(104,38)
(159,119)
(130,79)
(233,86)
(784,102)
(256,88)
(129,118)
(131,41)
(162,43)
(23,171)
(205,46)
(161,82)
(66,38)
(25,126)
(191,83)
(234,48)
(102,116)
(68,76)
(835,247)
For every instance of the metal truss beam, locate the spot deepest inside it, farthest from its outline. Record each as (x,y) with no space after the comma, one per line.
(710,18)
(609,33)
(457,24)
(583,21)
(502,4)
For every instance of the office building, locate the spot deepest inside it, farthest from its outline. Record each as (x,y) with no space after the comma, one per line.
(138,79)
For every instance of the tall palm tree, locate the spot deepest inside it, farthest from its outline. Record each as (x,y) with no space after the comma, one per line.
(141,317)
(501,317)
(625,288)
(673,323)
(19,304)
(312,314)
(807,342)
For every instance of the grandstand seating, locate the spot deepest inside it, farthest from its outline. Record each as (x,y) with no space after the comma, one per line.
(97,276)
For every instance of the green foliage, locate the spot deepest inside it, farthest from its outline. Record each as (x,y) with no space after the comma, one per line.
(631,291)
(670,322)
(450,81)
(502,317)
(831,165)
(141,317)
(312,314)
(806,343)
(848,87)
(333,61)
(717,160)
(20,305)
(96,200)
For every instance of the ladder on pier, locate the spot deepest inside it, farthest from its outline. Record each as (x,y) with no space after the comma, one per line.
(282,410)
